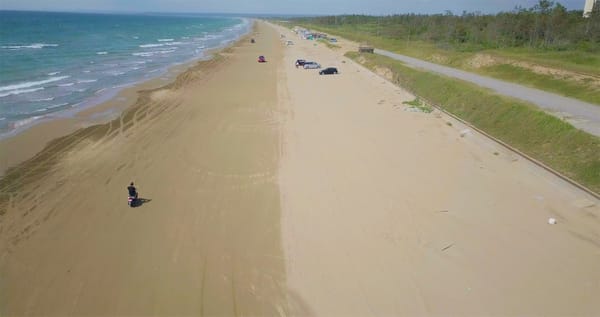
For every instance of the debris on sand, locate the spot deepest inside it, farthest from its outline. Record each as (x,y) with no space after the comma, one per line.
(584,203)
(418,106)
(448,247)
(465,132)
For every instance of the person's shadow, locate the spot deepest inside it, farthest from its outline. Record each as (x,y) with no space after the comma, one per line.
(140,201)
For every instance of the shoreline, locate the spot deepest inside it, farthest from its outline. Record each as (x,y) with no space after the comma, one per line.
(26,143)
(64,218)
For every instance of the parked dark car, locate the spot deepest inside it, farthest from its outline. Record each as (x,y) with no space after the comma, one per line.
(300,62)
(261,59)
(328,71)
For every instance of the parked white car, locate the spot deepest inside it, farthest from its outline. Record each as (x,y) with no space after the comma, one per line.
(311,65)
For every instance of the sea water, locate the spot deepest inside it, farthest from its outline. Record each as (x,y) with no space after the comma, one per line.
(54,63)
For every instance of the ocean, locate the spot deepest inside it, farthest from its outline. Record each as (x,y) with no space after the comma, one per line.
(53,64)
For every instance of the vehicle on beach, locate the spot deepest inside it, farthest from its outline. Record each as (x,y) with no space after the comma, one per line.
(252,40)
(333,40)
(311,65)
(328,71)
(131,201)
(132,198)
(262,59)
(289,43)
(300,62)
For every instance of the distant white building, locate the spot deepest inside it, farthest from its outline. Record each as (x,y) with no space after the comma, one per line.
(589,5)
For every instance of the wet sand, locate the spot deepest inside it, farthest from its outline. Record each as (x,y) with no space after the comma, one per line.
(270,190)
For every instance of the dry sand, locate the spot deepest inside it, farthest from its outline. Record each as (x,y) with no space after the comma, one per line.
(272,190)
(389,212)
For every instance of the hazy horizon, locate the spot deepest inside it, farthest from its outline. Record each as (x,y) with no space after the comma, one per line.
(275,7)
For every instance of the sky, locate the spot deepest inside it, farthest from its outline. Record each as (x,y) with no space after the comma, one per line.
(316,7)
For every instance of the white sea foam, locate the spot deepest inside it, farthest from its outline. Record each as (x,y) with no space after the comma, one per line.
(53,73)
(85,81)
(87,71)
(43,99)
(34,46)
(165,40)
(174,43)
(66,85)
(32,83)
(152,53)
(165,51)
(151,45)
(58,105)
(144,54)
(101,53)
(2,119)
(19,91)
(24,122)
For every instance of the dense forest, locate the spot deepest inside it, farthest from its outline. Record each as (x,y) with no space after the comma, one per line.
(547,25)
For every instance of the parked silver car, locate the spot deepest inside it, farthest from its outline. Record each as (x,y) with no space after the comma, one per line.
(311,65)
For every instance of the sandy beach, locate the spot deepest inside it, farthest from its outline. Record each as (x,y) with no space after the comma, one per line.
(270,190)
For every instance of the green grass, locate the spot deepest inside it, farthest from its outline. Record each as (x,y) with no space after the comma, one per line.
(574,61)
(420,105)
(569,88)
(548,139)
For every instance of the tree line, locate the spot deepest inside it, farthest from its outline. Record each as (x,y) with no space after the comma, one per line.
(547,25)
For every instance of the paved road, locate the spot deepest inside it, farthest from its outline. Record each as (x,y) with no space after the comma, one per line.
(583,115)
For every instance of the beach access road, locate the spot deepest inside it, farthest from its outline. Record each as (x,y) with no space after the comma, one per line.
(583,115)
(270,190)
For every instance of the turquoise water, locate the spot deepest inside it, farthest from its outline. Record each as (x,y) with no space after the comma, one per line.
(54,63)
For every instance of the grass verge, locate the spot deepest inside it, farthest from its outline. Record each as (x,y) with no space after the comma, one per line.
(546,138)
(576,62)
(328,44)
(419,105)
(526,77)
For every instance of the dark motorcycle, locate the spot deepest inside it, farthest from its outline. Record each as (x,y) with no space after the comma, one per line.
(131,201)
